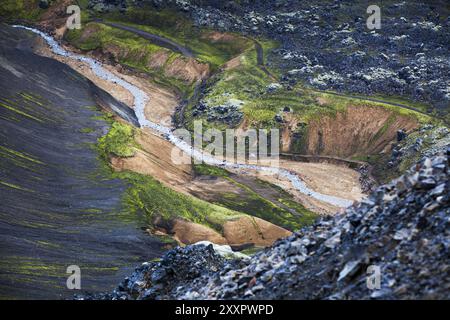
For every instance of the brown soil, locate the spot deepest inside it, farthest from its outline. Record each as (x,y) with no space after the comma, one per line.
(158,59)
(233,63)
(334,180)
(210,188)
(361,130)
(186,232)
(325,178)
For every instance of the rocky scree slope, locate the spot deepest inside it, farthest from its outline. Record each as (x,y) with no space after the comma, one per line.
(403,227)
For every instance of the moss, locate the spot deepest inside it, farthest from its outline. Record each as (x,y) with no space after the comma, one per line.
(149,196)
(14,186)
(424,107)
(12,10)
(248,83)
(305,216)
(388,123)
(87,130)
(10,152)
(129,50)
(283,211)
(206,170)
(252,251)
(339,102)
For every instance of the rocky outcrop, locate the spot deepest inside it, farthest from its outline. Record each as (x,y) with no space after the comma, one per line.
(401,229)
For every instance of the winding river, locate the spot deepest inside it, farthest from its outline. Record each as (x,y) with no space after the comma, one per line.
(140,101)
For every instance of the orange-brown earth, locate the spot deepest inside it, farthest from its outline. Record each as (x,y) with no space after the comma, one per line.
(154,158)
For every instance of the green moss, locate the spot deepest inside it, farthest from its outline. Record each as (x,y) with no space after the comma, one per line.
(424,107)
(18,111)
(12,10)
(206,170)
(14,186)
(119,141)
(387,124)
(339,103)
(130,50)
(248,83)
(252,251)
(7,152)
(148,196)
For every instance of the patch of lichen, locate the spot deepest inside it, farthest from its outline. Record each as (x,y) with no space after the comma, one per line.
(129,50)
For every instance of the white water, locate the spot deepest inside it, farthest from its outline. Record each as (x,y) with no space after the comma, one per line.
(141,99)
